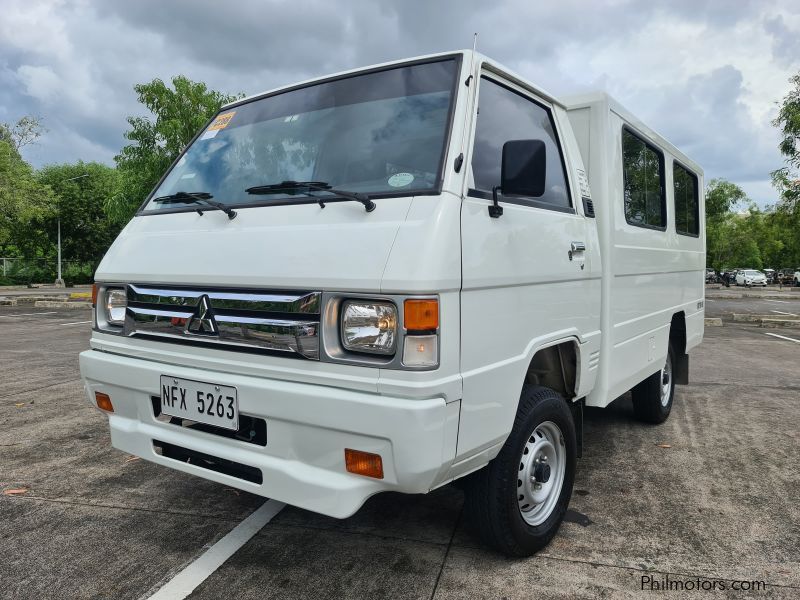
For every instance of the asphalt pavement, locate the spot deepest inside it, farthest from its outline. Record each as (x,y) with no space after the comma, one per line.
(709,496)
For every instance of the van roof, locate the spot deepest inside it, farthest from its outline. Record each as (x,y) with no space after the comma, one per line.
(606,103)
(467,55)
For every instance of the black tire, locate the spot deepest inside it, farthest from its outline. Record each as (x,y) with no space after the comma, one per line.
(492,495)
(647,398)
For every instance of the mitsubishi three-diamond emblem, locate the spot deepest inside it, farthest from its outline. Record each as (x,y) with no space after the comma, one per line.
(202,321)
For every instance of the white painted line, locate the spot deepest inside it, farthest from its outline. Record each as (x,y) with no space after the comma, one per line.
(75,323)
(783,337)
(27,315)
(780,312)
(710,300)
(186,581)
(779,301)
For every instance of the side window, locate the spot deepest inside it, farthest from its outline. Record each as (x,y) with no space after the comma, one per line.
(687,204)
(504,115)
(643,173)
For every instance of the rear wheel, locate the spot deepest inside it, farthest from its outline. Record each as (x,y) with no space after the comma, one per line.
(652,398)
(517,502)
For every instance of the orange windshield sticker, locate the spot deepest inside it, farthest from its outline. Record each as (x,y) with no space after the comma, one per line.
(221,122)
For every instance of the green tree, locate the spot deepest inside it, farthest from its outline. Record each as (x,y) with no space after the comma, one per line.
(787,180)
(25,131)
(81,191)
(177,114)
(721,224)
(24,205)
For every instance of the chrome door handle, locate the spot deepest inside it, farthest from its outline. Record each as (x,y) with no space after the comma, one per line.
(576,247)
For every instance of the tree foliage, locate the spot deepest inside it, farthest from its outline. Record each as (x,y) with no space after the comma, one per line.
(177,114)
(24,204)
(787,179)
(81,191)
(750,238)
(27,130)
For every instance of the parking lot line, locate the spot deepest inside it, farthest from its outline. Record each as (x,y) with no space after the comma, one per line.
(27,314)
(186,581)
(75,323)
(780,312)
(783,337)
(778,301)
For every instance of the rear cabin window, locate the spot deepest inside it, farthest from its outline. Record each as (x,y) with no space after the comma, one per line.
(687,207)
(643,172)
(504,115)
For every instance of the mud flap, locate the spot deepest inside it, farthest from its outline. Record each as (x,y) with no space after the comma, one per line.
(577,418)
(680,369)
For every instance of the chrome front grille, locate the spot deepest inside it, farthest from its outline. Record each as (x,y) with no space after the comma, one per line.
(227,319)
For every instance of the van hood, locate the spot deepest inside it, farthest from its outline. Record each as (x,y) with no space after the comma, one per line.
(300,246)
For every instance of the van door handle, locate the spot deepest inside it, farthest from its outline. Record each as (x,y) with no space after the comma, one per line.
(576,247)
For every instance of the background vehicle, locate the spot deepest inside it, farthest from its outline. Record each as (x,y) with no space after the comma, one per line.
(770,275)
(364,283)
(785,276)
(711,276)
(751,277)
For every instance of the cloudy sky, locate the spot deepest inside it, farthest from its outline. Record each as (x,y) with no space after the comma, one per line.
(704,73)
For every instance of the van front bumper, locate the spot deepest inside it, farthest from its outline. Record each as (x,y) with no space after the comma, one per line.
(308,428)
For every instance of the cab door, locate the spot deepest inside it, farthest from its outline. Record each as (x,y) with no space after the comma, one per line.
(530,276)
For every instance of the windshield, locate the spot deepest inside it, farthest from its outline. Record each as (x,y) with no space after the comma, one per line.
(751,273)
(380,133)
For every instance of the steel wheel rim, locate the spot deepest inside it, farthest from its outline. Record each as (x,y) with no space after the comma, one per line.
(666,381)
(542,467)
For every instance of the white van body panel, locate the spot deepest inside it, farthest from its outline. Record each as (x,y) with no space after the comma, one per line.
(648,275)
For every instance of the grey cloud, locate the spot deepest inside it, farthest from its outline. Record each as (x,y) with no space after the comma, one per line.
(97,50)
(785,41)
(707,120)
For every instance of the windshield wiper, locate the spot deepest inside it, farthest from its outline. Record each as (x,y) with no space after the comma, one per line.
(316,186)
(198,198)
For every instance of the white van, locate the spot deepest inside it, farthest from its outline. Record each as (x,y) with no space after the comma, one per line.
(394,277)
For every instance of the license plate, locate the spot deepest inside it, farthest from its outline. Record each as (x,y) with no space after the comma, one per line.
(209,403)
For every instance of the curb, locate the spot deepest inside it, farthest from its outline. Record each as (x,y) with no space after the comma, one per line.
(749,318)
(785,323)
(34,299)
(64,304)
(712,322)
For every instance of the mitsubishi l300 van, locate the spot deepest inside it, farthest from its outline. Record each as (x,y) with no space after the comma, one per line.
(396,277)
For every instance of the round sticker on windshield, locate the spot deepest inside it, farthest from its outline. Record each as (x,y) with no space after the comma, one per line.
(400,179)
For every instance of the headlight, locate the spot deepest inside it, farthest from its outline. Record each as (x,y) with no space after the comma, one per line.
(115,302)
(369,327)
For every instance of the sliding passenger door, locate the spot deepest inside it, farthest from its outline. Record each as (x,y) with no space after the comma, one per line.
(531,276)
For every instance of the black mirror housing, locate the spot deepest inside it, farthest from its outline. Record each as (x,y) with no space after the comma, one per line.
(522,172)
(524,168)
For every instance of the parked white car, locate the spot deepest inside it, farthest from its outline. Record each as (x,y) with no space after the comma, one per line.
(363,284)
(751,277)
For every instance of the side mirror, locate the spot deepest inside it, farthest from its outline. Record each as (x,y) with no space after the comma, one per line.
(522,172)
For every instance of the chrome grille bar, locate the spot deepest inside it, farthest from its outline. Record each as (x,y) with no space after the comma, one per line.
(274,321)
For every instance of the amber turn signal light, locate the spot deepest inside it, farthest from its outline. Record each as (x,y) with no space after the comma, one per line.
(421,315)
(363,463)
(94,294)
(103,401)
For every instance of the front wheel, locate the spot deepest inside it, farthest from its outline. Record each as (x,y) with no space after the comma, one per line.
(517,502)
